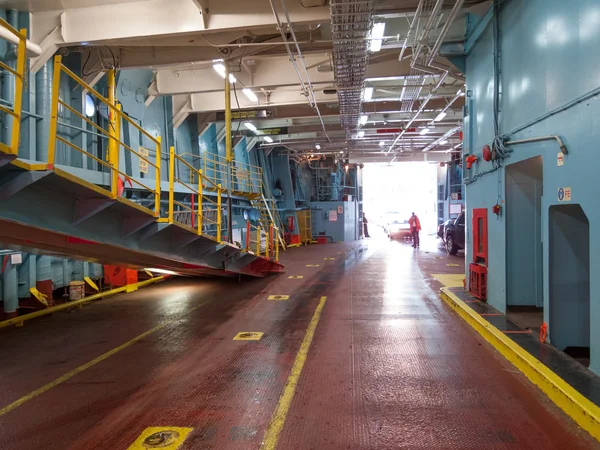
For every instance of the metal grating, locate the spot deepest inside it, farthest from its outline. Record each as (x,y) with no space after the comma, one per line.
(351,23)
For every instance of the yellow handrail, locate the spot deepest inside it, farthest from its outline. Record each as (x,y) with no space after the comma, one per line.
(115,119)
(14,124)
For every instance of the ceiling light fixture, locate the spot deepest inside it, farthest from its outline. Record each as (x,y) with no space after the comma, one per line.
(424,131)
(440,116)
(250,95)
(443,142)
(363,119)
(220,69)
(361,134)
(317,146)
(250,126)
(268,139)
(376,36)
(368,93)
(381,143)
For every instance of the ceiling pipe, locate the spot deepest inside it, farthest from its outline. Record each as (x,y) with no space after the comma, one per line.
(312,102)
(33,50)
(410,30)
(445,28)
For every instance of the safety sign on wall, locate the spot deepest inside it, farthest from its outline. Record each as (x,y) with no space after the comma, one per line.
(332,215)
(564,194)
(340,210)
(560,159)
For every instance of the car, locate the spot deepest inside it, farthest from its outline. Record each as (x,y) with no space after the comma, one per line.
(455,235)
(398,229)
(442,229)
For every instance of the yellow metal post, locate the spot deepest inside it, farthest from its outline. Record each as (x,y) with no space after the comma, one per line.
(54,113)
(18,104)
(267,244)
(228,155)
(219,212)
(258,241)
(114,154)
(157,162)
(277,246)
(200,212)
(171,183)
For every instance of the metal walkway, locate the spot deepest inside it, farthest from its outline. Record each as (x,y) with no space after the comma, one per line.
(389,365)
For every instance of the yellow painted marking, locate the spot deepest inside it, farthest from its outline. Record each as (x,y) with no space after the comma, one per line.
(579,408)
(296,277)
(285,401)
(449,279)
(85,366)
(169,438)
(248,336)
(312,265)
(89,281)
(452,265)
(278,297)
(42,298)
(329,259)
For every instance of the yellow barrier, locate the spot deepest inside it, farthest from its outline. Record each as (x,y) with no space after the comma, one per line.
(20,319)
(13,119)
(201,214)
(118,179)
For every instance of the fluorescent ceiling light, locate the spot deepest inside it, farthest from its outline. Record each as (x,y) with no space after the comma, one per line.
(424,131)
(250,126)
(165,271)
(341,151)
(376,36)
(381,143)
(368,93)
(268,139)
(443,142)
(317,146)
(361,134)
(250,95)
(220,69)
(363,119)
(440,116)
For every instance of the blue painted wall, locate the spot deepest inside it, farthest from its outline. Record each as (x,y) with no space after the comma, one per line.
(549,60)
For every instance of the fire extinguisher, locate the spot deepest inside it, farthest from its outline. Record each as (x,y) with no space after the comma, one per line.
(290,223)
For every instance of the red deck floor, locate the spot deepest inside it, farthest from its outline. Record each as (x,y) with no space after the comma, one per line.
(389,367)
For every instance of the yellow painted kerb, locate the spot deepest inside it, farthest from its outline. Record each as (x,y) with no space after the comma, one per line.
(579,408)
(285,401)
(168,438)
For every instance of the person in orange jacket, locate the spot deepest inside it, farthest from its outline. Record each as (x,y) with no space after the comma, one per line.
(415,227)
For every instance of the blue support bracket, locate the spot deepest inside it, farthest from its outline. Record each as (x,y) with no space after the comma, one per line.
(133,224)
(88,207)
(478,30)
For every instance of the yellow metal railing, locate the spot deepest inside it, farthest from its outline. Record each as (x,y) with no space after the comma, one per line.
(13,112)
(202,213)
(245,178)
(262,241)
(118,178)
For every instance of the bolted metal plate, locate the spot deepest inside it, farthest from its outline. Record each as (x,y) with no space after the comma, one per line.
(452,265)
(248,336)
(278,297)
(167,438)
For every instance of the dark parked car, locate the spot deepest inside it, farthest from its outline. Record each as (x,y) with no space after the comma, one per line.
(455,235)
(442,228)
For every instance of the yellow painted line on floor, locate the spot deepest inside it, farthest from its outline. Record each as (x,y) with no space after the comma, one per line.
(248,336)
(168,438)
(450,279)
(283,406)
(452,265)
(578,407)
(312,265)
(329,259)
(93,362)
(278,297)
(296,277)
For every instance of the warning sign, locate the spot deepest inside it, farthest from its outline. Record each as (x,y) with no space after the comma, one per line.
(564,194)
(560,159)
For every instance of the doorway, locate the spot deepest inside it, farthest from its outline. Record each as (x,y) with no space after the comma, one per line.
(524,259)
(569,251)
